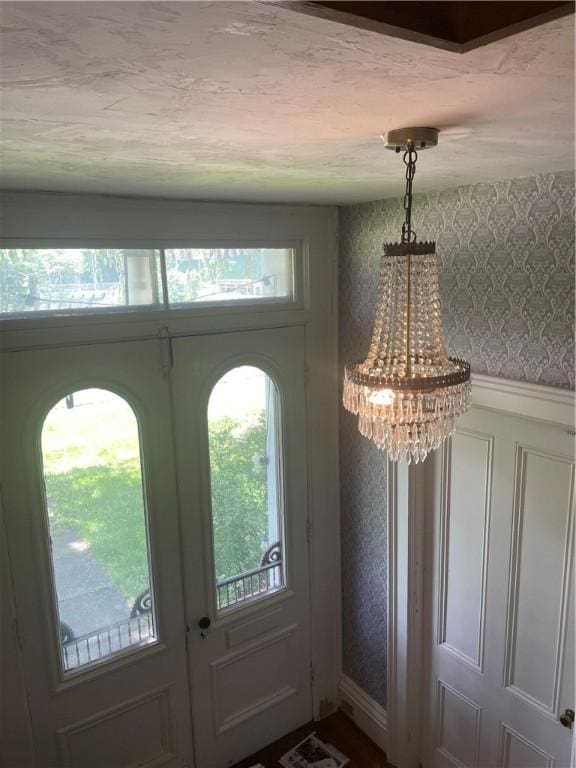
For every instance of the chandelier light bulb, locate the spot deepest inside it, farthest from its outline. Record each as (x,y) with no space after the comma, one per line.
(408,393)
(380,396)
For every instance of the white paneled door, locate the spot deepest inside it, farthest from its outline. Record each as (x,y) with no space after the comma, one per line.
(155,496)
(500,595)
(90,499)
(241,446)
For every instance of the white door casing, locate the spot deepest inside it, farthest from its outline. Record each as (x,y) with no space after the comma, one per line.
(133,708)
(498,596)
(251,674)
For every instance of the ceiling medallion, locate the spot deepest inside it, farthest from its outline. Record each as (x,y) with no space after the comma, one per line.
(407,393)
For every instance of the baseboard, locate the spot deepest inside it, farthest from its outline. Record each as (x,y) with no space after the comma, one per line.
(368,715)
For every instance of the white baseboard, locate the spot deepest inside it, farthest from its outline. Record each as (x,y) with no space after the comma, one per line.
(368,715)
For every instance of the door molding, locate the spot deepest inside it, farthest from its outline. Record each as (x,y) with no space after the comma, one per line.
(407,507)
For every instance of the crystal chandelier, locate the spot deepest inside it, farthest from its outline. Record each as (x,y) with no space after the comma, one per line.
(407,393)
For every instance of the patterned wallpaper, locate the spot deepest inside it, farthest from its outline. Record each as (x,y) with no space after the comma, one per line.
(506,260)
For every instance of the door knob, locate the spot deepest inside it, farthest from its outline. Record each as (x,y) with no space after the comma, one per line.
(567,718)
(204,624)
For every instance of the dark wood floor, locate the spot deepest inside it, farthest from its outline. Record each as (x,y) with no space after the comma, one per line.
(338,730)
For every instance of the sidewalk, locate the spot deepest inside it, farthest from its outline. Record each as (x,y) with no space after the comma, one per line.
(87,598)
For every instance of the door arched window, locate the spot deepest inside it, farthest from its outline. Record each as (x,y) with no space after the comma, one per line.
(95,503)
(246,486)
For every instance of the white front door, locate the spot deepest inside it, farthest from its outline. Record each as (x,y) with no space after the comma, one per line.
(500,579)
(89,496)
(240,430)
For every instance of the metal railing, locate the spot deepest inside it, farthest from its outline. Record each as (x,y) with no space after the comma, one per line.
(139,627)
(105,642)
(258,581)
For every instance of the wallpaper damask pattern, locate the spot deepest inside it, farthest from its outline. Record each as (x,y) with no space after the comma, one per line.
(506,261)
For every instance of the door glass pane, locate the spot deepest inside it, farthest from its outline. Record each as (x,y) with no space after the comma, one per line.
(228,274)
(98,528)
(246,485)
(71,280)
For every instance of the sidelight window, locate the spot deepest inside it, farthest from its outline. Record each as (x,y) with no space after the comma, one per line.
(246,486)
(98,527)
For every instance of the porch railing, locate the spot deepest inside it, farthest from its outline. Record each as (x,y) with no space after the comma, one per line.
(139,627)
(238,589)
(105,642)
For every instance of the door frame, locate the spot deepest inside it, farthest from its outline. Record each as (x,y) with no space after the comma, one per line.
(407,510)
(55,220)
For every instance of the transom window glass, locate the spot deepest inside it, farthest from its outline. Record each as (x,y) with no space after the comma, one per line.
(66,281)
(246,486)
(98,527)
(228,274)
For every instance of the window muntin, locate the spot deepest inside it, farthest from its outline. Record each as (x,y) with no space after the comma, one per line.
(246,487)
(98,527)
(65,281)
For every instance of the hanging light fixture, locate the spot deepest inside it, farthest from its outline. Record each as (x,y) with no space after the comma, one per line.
(407,393)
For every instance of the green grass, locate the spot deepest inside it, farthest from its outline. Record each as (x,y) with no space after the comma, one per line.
(103,505)
(94,487)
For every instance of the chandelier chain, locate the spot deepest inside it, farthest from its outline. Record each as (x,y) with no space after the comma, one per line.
(409,158)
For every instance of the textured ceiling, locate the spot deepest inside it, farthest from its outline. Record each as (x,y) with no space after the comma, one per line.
(243,101)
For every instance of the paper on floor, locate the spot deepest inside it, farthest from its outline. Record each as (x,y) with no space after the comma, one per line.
(311,752)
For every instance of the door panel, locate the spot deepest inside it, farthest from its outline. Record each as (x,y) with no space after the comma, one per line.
(500,636)
(538,598)
(250,669)
(465,551)
(123,705)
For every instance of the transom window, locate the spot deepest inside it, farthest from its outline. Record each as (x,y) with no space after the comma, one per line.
(246,487)
(65,281)
(98,527)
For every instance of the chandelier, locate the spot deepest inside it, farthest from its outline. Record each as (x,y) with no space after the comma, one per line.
(407,393)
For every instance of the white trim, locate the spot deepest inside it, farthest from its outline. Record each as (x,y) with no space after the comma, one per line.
(322,382)
(406,486)
(363,710)
(522,399)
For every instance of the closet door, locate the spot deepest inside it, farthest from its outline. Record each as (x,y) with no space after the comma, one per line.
(500,641)
(91,510)
(240,430)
